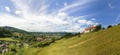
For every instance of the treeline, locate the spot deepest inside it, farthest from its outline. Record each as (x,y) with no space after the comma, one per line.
(69,35)
(5,33)
(98,28)
(12,29)
(43,43)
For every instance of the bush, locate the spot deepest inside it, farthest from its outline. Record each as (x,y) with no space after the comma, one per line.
(98,27)
(42,44)
(53,40)
(109,26)
(118,23)
(103,28)
(79,34)
(67,35)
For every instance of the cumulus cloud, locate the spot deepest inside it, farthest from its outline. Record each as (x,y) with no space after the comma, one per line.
(7,9)
(18,12)
(87,22)
(37,19)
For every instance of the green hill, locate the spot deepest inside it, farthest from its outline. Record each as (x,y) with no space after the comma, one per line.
(7,31)
(7,39)
(12,29)
(104,42)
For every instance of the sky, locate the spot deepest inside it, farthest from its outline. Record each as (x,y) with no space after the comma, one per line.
(58,15)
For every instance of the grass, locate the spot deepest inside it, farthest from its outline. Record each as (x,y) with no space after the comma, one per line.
(104,42)
(27,51)
(24,51)
(7,39)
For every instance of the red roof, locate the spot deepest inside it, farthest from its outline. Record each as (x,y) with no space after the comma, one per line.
(92,27)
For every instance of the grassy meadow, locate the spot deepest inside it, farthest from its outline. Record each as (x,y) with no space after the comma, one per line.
(104,42)
(7,39)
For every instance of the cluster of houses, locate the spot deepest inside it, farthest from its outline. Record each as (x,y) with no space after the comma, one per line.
(5,46)
(42,38)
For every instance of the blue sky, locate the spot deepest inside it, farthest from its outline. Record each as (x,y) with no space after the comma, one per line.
(58,15)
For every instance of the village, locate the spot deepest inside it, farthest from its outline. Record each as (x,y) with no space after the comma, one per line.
(26,42)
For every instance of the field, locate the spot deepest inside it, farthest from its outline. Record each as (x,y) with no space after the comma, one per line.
(104,42)
(7,39)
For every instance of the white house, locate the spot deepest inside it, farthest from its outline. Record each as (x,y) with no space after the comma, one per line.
(89,29)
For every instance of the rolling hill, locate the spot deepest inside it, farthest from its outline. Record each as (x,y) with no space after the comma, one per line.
(6,31)
(103,42)
(12,29)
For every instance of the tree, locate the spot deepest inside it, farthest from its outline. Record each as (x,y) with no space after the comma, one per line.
(79,34)
(109,26)
(53,39)
(67,35)
(118,23)
(5,33)
(103,28)
(98,27)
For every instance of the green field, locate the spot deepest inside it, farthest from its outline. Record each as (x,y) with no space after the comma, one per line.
(104,42)
(7,39)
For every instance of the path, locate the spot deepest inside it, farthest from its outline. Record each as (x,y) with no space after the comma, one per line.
(81,43)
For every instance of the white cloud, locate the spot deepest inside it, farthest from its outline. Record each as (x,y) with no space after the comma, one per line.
(118,17)
(93,19)
(38,20)
(110,5)
(76,4)
(65,4)
(90,23)
(82,21)
(7,9)
(18,12)
(87,22)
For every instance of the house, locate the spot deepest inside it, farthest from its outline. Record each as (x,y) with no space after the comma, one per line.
(40,38)
(89,29)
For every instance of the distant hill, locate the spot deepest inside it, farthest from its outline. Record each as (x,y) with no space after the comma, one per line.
(49,32)
(12,29)
(103,42)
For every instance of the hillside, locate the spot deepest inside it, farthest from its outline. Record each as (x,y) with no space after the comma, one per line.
(12,29)
(104,42)
(7,39)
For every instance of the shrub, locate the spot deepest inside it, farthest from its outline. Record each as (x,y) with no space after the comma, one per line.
(67,35)
(103,28)
(98,27)
(53,40)
(109,26)
(118,23)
